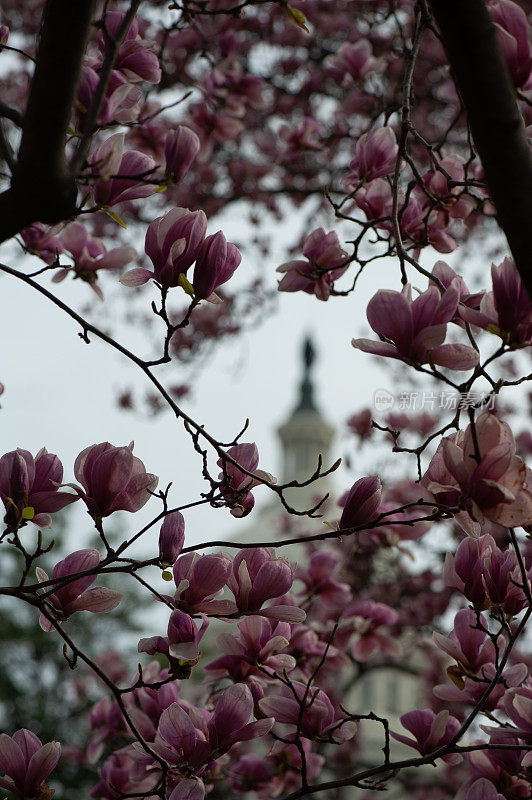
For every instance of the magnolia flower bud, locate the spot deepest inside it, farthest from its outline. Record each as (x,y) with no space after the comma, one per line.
(171,538)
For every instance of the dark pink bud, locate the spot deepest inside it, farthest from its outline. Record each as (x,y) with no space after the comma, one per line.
(236,485)
(375,157)
(181,148)
(361,503)
(171,538)
(216,262)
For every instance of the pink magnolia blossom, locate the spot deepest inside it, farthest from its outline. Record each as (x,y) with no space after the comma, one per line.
(422,423)
(318,581)
(26,763)
(106,721)
(181,644)
(486,575)
(355,61)
(517,704)
(138,63)
(507,310)
(258,576)
(276,774)
(450,198)
(135,58)
(360,424)
(251,773)
(480,469)
(113,479)
(181,148)
(189,738)
(231,89)
(326,262)
(112,21)
(76,595)
(375,200)
(500,767)
(214,126)
(90,255)
(216,261)
(199,580)
(482,789)
(172,243)
(122,100)
(29,487)
(463,570)
(447,276)
(145,706)
(502,578)
(423,223)
(230,724)
(468,645)
(258,644)
(236,485)
(290,758)
(414,330)
(115,778)
(472,690)
(301,136)
(120,176)
(188,789)
(307,709)
(361,504)
(430,731)
(42,242)
(171,538)
(375,156)
(513,31)
(369,617)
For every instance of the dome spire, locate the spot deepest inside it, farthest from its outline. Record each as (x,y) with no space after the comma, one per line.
(306,389)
